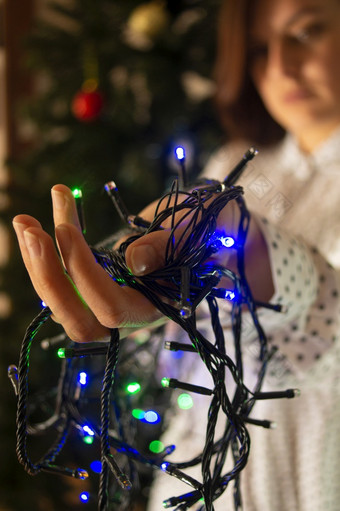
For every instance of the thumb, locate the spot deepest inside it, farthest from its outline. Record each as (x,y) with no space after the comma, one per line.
(147,254)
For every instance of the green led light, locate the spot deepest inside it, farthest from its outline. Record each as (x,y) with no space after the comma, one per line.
(185,401)
(88,439)
(133,388)
(77,194)
(165,382)
(61,352)
(156,446)
(120,281)
(137,413)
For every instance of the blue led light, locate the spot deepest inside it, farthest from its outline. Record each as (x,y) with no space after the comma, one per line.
(43,304)
(82,378)
(180,153)
(165,465)
(87,430)
(96,466)
(227,241)
(229,295)
(151,417)
(221,240)
(84,496)
(169,449)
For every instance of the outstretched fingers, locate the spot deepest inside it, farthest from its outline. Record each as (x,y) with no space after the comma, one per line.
(64,206)
(52,284)
(81,295)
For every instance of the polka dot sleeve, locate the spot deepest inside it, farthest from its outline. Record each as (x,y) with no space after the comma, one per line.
(308,288)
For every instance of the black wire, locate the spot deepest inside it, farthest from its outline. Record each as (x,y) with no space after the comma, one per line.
(192,217)
(111,362)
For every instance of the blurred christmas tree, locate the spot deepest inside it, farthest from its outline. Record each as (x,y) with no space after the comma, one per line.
(118,85)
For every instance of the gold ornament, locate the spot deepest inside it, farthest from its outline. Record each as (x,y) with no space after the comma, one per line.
(149,19)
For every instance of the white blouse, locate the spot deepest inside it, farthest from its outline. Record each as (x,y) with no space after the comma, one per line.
(295,467)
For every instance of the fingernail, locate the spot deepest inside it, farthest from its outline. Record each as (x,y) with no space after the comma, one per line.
(32,243)
(58,199)
(19,229)
(64,238)
(144,259)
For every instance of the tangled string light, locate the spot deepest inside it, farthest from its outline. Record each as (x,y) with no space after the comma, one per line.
(176,290)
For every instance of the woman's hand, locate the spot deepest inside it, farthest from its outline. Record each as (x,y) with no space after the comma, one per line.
(84,298)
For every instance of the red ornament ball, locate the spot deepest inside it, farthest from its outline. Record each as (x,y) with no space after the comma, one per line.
(86,106)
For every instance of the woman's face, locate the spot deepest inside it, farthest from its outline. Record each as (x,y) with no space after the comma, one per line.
(294,53)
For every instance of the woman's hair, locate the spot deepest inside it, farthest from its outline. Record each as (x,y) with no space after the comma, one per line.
(241,109)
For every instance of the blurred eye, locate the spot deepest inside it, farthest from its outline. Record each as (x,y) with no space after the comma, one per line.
(310,32)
